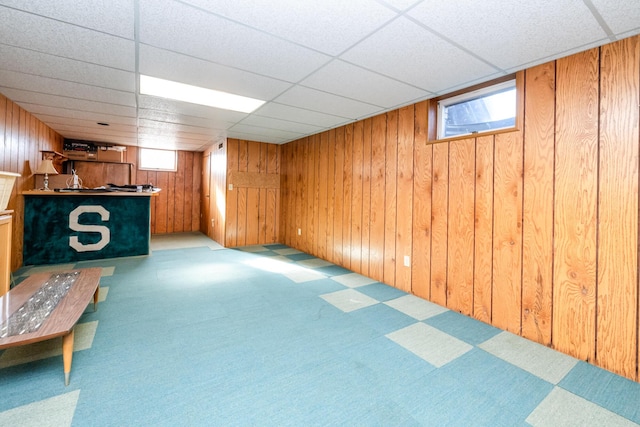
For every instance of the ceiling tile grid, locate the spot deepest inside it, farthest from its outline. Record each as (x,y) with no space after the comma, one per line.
(317,65)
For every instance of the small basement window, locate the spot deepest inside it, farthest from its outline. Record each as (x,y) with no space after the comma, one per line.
(158,160)
(484,110)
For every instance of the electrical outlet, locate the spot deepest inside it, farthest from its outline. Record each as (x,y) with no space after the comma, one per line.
(407,261)
(230,187)
(299,231)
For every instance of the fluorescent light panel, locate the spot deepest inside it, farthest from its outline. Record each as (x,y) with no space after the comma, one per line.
(197,95)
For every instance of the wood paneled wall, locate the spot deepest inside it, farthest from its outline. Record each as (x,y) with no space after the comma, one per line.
(252,193)
(534,231)
(214,192)
(177,207)
(22,137)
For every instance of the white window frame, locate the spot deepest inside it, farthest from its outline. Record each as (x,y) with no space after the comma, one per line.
(143,160)
(469,96)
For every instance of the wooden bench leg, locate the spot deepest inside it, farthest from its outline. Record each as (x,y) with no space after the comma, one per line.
(96,295)
(67,354)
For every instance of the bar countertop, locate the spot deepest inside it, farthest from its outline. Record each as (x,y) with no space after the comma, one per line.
(88,192)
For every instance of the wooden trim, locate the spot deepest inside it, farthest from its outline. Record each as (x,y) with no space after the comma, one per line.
(254,179)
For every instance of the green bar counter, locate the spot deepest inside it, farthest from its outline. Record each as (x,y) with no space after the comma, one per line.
(62,227)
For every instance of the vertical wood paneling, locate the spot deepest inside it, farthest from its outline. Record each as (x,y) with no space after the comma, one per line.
(178,190)
(347,187)
(231,239)
(507,232)
(617,287)
(390,193)
(162,203)
(406,119)
(314,213)
(356,199)
(483,233)
(243,154)
(460,232)
(310,161)
(574,275)
(301,189)
(152,175)
(252,205)
(323,168)
(273,201)
(208,195)
(537,249)
(366,197)
(262,198)
(254,217)
(339,192)
(439,225)
(331,193)
(186,180)
(422,175)
(196,190)
(22,137)
(376,228)
(3,115)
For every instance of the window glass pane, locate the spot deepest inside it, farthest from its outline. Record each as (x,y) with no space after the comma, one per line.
(151,158)
(494,108)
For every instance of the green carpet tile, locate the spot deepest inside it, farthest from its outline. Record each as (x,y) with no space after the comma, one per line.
(270,336)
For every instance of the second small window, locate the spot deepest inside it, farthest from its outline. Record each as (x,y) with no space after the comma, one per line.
(483,110)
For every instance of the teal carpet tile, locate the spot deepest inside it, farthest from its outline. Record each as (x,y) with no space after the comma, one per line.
(603,388)
(381,292)
(463,327)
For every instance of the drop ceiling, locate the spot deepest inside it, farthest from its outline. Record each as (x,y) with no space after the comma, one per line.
(317,64)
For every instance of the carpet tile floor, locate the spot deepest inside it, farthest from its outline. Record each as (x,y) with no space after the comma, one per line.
(196,334)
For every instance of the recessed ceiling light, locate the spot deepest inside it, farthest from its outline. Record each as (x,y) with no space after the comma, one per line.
(197,95)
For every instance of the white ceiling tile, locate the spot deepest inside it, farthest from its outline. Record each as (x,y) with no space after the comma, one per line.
(45,85)
(299,115)
(311,24)
(112,17)
(271,123)
(22,96)
(167,142)
(55,67)
(341,78)
(88,125)
(512,33)
(164,133)
(180,28)
(175,127)
(167,117)
(37,109)
(184,108)
(271,133)
(66,40)
(435,65)
(400,4)
(101,137)
(108,131)
(620,15)
(104,132)
(259,138)
(187,69)
(327,103)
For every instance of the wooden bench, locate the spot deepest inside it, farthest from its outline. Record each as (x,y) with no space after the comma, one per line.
(46,306)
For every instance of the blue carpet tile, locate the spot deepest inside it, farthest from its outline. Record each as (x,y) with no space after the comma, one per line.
(267,335)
